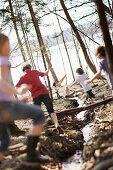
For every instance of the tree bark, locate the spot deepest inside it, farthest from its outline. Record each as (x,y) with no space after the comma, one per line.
(106,34)
(29,51)
(106,164)
(91,66)
(42,46)
(61,56)
(77,51)
(40,39)
(16,30)
(106,8)
(66,48)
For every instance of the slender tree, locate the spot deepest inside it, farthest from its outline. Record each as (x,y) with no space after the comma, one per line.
(42,46)
(16,30)
(106,34)
(61,55)
(62,34)
(77,51)
(29,51)
(40,39)
(92,67)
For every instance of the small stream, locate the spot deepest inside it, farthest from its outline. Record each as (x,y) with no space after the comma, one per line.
(76,161)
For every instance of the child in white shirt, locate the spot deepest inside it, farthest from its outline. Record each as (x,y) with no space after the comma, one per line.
(81,79)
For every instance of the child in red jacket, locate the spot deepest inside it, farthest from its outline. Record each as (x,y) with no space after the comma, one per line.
(38,91)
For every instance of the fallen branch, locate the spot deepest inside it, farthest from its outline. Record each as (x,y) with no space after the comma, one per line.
(101,148)
(75,111)
(104,165)
(107,122)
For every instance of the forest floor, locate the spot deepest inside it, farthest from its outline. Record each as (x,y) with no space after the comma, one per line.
(95,152)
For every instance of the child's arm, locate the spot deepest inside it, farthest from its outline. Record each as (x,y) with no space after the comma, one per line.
(5,87)
(97,75)
(47,71)
(73,84)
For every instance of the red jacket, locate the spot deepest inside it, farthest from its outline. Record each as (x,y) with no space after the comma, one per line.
(31,77)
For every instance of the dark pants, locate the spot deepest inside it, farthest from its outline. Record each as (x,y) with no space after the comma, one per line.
(90,94)
(58,95)
(46,100)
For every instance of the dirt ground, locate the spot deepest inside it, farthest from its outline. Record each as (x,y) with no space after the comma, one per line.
(61,147)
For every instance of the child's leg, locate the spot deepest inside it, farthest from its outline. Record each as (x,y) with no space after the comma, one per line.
(90,94)
(55,119)
(49,105)
(4,139)
(17,111)
(38,100)
(58,96)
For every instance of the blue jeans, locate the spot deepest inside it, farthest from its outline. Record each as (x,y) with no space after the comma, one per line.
(10,111)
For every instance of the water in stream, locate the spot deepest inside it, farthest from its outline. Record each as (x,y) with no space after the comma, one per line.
(76,161)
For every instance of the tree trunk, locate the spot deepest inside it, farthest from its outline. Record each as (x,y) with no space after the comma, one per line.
(38,63)
(61,56)
(91,66)
(16,30)
(29,51)
(77,51)
(110,8)
(66,48)
(42,46)
(112,5)
(40,39)
(106,34)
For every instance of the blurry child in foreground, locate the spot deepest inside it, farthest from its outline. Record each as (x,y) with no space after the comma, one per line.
(81,79)
(11,110)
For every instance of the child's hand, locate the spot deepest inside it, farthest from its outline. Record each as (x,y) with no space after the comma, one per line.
(23,89)
(24,99)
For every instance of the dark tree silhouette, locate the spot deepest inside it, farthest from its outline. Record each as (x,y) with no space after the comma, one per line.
(106,34)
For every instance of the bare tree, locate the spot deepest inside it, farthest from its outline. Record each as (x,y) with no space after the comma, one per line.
(40,39)
(16,30)
(106,34)
(62,34)
(25,36)
(92,67)
(61,55)
(76,48)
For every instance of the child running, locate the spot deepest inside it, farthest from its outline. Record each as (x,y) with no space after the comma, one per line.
(38,91)
(80,79)
(10,110)
(103,66)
